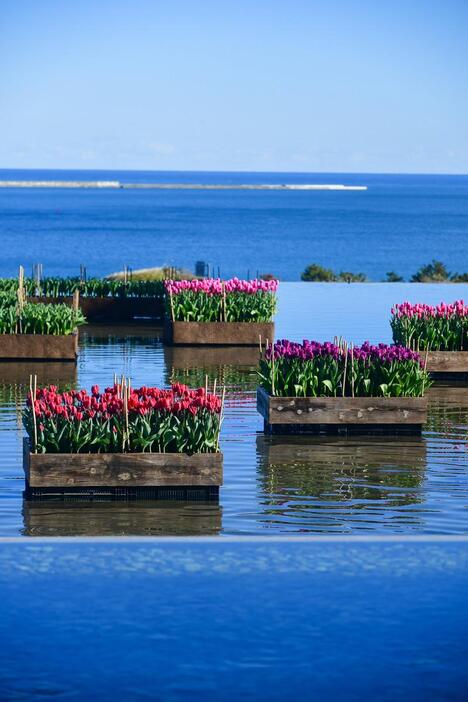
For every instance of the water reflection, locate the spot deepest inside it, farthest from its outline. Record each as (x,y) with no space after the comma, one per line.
(137,518)
(16,374)
(272,485)
(338,484)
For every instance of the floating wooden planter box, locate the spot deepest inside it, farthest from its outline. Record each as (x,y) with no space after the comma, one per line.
(147,475)
(39,346)
(447,363)
(218,333)
(112,309)
(341,414)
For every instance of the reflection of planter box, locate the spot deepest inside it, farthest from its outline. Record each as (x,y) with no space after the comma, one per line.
(39,346)
(447,363)
(55,372)
(163,475)
(103,309)
(341,414)
(183,357)
(108,517)
(218,333)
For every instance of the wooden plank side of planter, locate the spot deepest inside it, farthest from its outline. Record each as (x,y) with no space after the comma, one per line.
(111,308)
(39,346)
(447,361)
(341,410)
(122,469)
(218,333)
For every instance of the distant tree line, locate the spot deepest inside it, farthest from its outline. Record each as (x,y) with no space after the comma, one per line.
(434,272)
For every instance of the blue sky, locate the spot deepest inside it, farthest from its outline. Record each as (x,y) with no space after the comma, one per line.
(296,85)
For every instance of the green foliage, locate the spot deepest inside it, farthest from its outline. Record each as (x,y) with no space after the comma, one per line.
(38,318)
(347,277)
(190,306)
(393,277)
(434,272)
(317,274)
(93,287)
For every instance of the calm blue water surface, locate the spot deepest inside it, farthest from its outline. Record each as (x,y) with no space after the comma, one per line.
(399,223)
(272,485)
(273,621)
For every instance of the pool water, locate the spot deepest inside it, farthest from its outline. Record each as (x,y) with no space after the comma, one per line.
(272,485)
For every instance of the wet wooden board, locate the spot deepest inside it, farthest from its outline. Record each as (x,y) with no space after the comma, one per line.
(39,346)
(447,362)
(341,410)
(218,333)
(121,469)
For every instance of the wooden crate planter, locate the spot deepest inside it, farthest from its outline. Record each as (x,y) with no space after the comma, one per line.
(341,414)
(218,333)
(148,475)
(39,347)
(112,309)
(447,363)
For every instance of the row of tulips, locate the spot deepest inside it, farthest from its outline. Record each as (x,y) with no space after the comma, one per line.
(123,419)
(312,369)
(92,287)
(439,328)
(37,319)
(214,300)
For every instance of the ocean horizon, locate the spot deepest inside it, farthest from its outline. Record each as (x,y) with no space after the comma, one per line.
(398,224)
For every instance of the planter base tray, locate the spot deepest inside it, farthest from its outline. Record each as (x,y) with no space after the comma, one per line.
(102,494)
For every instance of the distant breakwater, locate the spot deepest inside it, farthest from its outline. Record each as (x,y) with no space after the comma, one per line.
(115,184)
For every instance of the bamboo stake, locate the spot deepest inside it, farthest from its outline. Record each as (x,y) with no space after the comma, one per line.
(352,370)
(214,386)
(171,303)
(272,369)
(206,384)
(32,392)
(224,301)
(260,343)
(221,417)
(345,351)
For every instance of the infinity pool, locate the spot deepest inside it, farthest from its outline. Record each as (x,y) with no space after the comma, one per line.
(273,485)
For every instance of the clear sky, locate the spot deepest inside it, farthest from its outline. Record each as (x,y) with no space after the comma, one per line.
(263,85)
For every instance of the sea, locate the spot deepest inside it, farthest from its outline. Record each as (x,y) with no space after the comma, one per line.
(398,224)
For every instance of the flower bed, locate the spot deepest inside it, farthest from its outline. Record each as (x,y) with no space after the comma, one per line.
(123,437)
(30,331)
(441,332)
(100,299)
(330,386)
(211,311)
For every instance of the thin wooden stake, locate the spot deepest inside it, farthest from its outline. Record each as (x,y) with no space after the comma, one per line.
(221,416)
(345,350)
(32,392)
(352,370)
